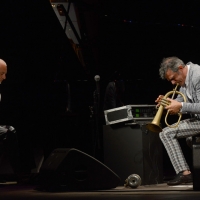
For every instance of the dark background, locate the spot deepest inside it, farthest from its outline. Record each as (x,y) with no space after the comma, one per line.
(129,36)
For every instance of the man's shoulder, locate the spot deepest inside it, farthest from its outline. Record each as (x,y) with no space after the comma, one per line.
(194,69)
(194,72)
(193,66)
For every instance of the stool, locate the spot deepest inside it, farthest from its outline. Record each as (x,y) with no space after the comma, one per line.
(196,162)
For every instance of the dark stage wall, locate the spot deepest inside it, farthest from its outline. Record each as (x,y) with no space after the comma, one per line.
(39,54)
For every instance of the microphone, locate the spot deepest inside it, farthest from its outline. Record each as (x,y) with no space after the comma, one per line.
(97,79)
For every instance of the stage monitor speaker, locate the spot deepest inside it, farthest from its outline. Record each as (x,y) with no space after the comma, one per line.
(132,149)
(71,169)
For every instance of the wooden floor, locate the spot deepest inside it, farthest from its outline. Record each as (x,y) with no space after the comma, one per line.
(12,191)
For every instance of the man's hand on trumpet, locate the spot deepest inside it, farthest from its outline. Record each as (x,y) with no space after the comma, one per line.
(158,100)
(174,107)
(171,105)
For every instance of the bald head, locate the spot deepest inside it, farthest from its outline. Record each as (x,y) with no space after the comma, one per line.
(2,63)
(3,70)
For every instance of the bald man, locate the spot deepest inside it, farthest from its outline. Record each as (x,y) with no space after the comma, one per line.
(3,72)
(8,134)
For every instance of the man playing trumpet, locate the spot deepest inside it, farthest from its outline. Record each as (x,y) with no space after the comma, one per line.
(188,77)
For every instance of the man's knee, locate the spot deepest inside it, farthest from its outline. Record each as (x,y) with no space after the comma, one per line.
(10,135)
(11,128)
(162,134)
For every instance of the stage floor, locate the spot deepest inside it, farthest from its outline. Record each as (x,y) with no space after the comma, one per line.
(151,192)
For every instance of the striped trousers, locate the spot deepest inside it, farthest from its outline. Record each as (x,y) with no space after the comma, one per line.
(169,137)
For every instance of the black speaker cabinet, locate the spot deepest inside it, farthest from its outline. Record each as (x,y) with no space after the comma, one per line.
(132,149)
(71,169)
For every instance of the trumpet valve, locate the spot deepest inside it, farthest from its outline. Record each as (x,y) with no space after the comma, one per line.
(164,102)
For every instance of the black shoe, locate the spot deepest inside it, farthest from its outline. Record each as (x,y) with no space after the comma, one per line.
(180,179)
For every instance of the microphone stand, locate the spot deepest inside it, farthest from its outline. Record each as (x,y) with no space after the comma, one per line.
(96,122)
(96,97)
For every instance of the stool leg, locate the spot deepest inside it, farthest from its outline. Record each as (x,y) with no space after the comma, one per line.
(196,164)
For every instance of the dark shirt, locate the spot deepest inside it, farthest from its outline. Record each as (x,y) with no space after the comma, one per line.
(113,96)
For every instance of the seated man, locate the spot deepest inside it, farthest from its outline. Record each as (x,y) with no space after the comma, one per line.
(187,77)
(8,135)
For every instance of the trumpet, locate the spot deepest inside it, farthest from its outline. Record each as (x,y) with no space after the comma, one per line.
(155,125)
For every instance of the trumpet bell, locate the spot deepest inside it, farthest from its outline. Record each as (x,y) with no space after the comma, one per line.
(153,127)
